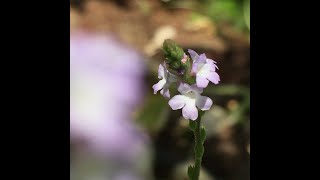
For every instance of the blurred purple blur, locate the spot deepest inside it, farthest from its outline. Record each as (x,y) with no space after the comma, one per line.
(105,87)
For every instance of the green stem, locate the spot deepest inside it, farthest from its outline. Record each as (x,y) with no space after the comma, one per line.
(198,147)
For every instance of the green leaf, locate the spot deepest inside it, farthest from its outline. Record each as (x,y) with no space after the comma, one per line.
(202,135)
(199,150)
(191,172)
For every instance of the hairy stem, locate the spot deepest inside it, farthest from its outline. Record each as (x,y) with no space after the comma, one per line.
(198,145)
(199,136)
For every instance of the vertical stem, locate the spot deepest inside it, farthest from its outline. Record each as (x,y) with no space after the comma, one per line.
(198,149)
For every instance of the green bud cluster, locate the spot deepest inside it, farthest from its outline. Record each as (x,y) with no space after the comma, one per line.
(173,54)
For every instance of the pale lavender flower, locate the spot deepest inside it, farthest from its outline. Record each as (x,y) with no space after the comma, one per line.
(189,100)
(166,79)
(105,86)
(204,69)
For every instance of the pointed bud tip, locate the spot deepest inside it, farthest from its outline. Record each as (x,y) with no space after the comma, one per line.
(173,54)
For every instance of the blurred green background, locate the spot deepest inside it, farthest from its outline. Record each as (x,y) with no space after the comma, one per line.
(219,28)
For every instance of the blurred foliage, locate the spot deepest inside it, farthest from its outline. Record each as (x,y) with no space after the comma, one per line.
(246,11)
(226,11)
(235,12)
(144,7)
(153,114)
(239,111)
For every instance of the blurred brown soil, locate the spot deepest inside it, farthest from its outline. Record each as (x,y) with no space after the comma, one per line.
(137,24)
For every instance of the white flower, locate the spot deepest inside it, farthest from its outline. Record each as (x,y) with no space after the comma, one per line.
(163,85)
(189,100)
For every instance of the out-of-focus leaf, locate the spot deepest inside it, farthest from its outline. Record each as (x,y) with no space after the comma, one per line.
(227,7)
(144,6)
(227,90)
(216,119)
(154,113)
(238,114)
(246,12)
(88,165)
(226,11)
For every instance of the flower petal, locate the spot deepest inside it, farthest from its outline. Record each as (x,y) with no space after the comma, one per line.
(190,111)
(193,54)
(161,71)
(211,60)
(206,70)
(177,102)
(202,82)
(194,69)
(204,103)
(165,91)
(211,65)
(214,77)
(196,89)
(202,59)
(158,86)
(184,88)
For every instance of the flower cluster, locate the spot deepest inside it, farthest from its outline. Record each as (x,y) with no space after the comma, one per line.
(192,75)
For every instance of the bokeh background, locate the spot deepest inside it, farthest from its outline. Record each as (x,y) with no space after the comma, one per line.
(120,130)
